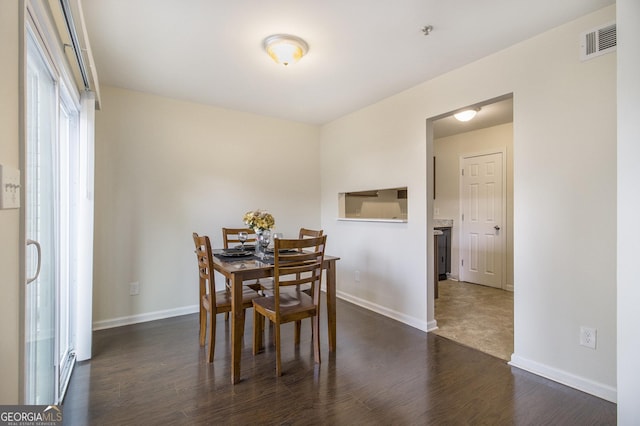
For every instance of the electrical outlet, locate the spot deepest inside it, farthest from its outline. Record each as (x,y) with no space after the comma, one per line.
(357,276)
(588,337)
(134,288)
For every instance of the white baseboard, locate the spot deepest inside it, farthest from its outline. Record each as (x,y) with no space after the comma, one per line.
(149,316)
(398,316)
(600,390)
(185,310)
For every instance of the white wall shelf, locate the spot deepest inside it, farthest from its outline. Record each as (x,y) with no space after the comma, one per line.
(355,219)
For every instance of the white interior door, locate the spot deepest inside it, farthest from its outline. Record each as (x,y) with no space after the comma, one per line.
(483,211)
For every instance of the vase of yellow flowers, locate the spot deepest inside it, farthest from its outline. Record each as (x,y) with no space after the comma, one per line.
(261,222)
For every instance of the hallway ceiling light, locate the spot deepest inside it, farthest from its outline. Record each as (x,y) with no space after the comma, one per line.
(466,115)
(285,49)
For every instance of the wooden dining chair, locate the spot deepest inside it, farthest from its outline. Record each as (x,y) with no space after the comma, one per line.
(306,233)
(267,285)
(309,233)
(214,302)
(296,262)
(230,240)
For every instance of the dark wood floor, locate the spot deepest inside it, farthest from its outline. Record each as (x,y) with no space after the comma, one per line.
(384,373)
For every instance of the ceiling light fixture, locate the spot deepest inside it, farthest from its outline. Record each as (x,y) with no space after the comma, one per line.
(466,115)
(285,49)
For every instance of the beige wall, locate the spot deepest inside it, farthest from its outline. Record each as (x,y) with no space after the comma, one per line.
(9,219)
(448,152)
(167,168)
(564,190)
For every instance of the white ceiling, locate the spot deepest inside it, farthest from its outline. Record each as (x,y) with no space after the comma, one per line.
(361,51)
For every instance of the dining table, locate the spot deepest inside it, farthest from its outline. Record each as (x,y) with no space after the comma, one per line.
(238,270)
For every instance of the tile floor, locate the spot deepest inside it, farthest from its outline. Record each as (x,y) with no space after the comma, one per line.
(476,316)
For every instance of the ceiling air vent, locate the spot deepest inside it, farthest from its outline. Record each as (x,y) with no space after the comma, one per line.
(598,41)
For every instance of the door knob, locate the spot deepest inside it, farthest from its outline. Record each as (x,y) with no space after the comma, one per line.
(497,228)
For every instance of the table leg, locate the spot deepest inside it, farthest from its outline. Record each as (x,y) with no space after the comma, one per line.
(236,329)
(331,304)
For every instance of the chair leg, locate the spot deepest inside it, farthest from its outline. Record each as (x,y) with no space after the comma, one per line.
(298,329)
(203,325)
(297,332)
(271,333)
(278,360)
(212,335)
(262,329)
(255,331)
(258,331)
(315,323)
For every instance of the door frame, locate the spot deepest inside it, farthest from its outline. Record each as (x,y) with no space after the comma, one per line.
(461,240)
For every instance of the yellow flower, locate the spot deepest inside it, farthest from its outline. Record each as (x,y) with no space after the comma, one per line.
(259,220)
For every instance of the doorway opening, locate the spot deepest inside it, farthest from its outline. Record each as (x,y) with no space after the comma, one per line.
(473,207)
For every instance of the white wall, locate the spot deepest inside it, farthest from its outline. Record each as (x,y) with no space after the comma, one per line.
(167,168)
(628,206)
(9,219)
(378,147)
(448,152)
(564,186)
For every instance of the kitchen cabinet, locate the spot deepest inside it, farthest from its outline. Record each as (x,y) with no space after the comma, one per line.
(444,252)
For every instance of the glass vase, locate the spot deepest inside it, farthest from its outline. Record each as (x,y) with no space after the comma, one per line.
(258,249)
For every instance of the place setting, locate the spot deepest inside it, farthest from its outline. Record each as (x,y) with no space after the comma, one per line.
(259,251)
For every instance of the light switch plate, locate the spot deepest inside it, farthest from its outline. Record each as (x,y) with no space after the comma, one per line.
(9,188)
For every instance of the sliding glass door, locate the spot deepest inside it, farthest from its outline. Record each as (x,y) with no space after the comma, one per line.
(51,183)
(68,183)
(41,119)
